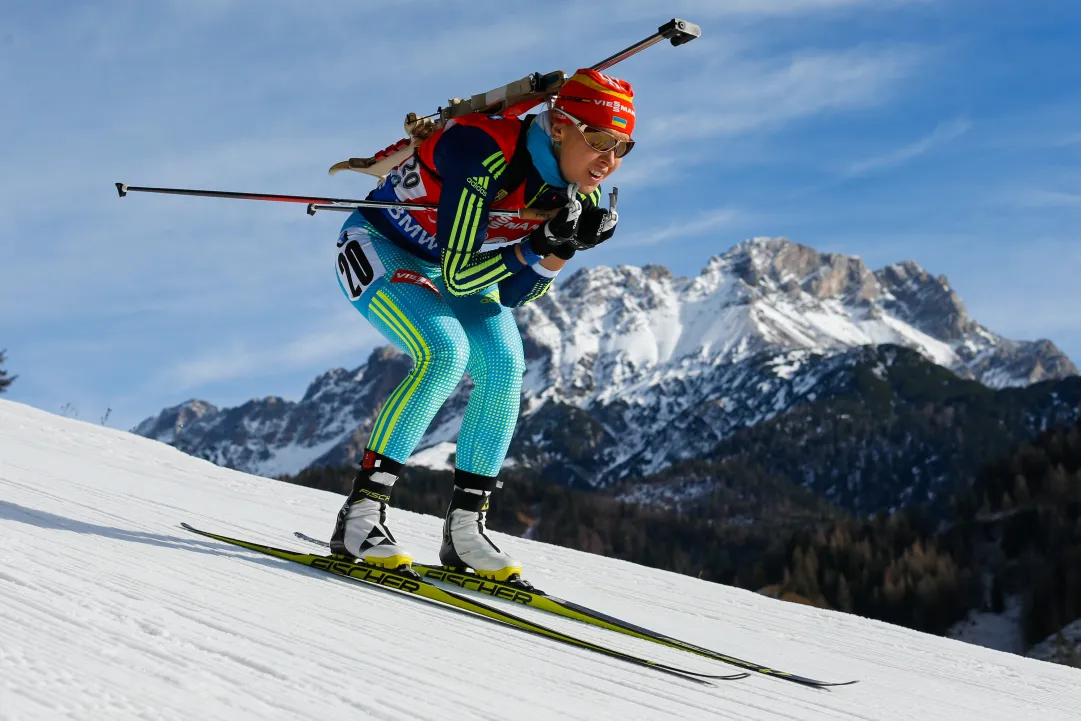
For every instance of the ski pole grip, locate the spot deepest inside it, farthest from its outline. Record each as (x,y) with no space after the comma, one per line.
(534,214)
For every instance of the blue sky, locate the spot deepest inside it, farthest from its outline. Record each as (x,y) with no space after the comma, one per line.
(944,131)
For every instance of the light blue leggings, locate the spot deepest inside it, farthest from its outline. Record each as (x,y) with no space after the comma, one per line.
(405,298)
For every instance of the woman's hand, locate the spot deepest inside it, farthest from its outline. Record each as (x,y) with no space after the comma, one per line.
(556,236)
(596,226)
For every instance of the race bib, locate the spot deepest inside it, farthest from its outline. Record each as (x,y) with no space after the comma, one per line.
(358,263)
(407,181)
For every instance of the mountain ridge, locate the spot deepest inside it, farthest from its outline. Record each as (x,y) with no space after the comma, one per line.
(641,351)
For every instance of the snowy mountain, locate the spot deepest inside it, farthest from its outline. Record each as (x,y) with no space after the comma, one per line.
(606,329)
(138,619)
(879,429)
(272,436)
(652,368)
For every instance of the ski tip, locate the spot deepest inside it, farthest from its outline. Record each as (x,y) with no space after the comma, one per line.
(826,685)
(730,677)
(706,679)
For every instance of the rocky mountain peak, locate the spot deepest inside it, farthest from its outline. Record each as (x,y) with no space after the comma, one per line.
(924,301)
(762,294)
(174,421)
(332,382)
(657,272)
(588,282)
(778,264)
(324,383)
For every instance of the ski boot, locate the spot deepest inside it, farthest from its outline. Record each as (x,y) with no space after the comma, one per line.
(360,531)
(466,545)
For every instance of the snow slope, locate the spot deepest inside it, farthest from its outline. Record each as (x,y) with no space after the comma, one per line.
(109,611)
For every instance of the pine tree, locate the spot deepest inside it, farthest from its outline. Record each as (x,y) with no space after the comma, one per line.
(4,380)
(844,596)
(1020,491)
(1065,651)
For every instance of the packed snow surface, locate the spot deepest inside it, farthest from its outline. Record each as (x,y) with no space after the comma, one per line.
(108,610)
(1002,631)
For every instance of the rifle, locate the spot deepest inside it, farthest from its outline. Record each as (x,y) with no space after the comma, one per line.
(511,99)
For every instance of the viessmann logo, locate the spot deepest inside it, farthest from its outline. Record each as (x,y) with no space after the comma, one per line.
(509,222)
(614,105)
(408,276)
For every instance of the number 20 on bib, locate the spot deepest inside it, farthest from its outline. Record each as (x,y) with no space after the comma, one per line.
(357,262)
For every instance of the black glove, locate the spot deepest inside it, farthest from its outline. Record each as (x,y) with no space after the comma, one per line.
(556,236)
(596,226)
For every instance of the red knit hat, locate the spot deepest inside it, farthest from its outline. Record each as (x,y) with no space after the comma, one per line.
(598,100)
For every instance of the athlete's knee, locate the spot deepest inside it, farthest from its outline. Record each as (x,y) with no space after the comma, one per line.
(512,363)
(449,356)
(502,366)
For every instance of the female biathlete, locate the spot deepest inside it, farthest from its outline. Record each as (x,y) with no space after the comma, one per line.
(422,279)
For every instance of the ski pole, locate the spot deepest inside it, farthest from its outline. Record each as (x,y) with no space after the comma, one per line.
(315,203)
(676,30)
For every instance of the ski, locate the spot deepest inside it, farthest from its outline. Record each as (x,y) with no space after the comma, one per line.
(535,598)
(414,585)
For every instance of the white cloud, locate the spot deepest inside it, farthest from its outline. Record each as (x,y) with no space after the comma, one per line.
(943,133)
(349,332)
(648,170)
(1044,294)
(695,10)
(793,7)
(1038,198)
(691,228)
(748,96)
